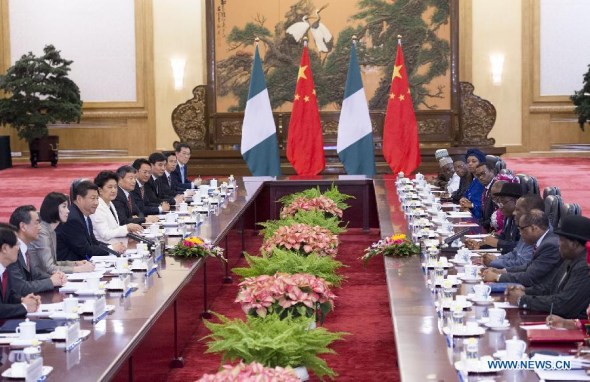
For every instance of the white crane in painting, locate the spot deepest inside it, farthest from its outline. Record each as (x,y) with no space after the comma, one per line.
(321,35)
(299,29)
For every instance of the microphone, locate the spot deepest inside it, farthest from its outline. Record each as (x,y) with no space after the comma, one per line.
(141,239)
(454,237)
(105,246)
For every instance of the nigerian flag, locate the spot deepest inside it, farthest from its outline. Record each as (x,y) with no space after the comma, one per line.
(259,135)
(355,133)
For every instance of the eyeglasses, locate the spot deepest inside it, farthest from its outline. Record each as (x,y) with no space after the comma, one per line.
(521,228)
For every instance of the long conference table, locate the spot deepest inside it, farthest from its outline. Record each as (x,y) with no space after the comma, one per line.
(147,332)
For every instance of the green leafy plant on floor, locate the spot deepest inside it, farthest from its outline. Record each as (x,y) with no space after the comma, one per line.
(311,218)
(39,92)
(331,193)
(272,341)
(581,99)
(290,262)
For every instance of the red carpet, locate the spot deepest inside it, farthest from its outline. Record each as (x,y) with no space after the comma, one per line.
(362,309)
(23,184)
(569,174)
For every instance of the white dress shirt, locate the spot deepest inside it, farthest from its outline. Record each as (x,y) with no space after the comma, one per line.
(453,184)
(105,222)
(23,250)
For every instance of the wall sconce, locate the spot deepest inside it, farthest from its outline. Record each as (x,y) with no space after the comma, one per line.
(178,65)
(497,62)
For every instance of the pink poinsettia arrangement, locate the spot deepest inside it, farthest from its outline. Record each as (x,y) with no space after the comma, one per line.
(300,294)
(304,239)
(252,372)
(320,203)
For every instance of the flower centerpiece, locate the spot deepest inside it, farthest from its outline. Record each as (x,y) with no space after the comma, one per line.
(297,295)
(321,203)
(396,245)
(196,247)
(252,372)
(303,239)
(273,341)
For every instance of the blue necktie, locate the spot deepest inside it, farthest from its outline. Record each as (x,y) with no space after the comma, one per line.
(181,174)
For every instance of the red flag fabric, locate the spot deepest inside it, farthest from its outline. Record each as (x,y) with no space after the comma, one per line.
(305,144)
(400,130)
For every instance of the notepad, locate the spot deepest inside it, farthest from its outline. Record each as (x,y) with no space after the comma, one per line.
(555,335)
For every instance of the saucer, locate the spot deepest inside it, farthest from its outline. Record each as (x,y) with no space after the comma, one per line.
(118,286)
(480,301)
(439,283)
(464,331)
(44,372)
(504,326)
(458,262)
(89,292)
(461,276)
(169,224)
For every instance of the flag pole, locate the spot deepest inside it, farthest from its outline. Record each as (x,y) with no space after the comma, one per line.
(354,39)
(399,39)
(256,41)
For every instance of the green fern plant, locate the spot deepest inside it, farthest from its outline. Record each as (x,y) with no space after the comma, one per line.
(311,218)
(290,262)
(311,193)
(272,341)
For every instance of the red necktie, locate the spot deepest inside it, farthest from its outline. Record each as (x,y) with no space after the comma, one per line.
(129,203)
(4,285)
(28,258)
(141,189)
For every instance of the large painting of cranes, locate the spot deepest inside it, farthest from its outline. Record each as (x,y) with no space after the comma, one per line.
(328,27)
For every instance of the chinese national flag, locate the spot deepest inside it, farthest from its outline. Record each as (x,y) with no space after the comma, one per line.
(400,131)
(305,144)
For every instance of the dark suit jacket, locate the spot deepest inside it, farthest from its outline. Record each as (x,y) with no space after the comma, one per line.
(155,194)
(546,261)
(180,186)
(145,208)
(74,242)
(568,291)
(464,183)
(22,279)
(487,208)
(10,306)
(172,187)
(509,237)
(124,212)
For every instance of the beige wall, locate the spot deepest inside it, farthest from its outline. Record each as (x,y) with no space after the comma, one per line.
(496,28)
(179,31)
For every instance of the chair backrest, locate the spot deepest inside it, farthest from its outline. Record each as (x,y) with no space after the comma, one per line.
(553,209)
(570,209)
(551,190)
(529,184)
(506,171)
(491,161)
(500,166)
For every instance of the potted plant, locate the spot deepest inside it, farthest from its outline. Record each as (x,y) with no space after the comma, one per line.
(303,239)
(252,372)
(331,202)
(291,262)
(296,295)
(581,99)
(308,217)
(38,92)
(273,342)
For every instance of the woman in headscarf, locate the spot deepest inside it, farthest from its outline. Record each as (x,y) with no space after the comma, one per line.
(472,197)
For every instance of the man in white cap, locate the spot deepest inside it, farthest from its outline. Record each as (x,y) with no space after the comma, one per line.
(448,170)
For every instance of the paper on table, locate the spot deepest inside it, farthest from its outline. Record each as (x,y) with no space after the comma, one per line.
(104,259)
(85,275)
(561,375)
(536,327)
(505,305)
(71,287)
(465,225)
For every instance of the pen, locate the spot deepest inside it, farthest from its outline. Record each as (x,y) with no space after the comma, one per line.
(550,314)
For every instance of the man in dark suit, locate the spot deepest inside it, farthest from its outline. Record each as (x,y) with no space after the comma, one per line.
(12,305)
(568,293)
(127,210)
(26,220)
(75,238)
(155,190)
(180,174)
(534,229)
(168,181)
(144,173)
(485,176)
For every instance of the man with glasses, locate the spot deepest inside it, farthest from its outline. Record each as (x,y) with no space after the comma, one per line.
(485,176)
(567,293)
(534,230)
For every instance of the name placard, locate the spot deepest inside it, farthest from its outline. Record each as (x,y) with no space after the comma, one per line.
(34,370)
(72,335)
(99,309)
